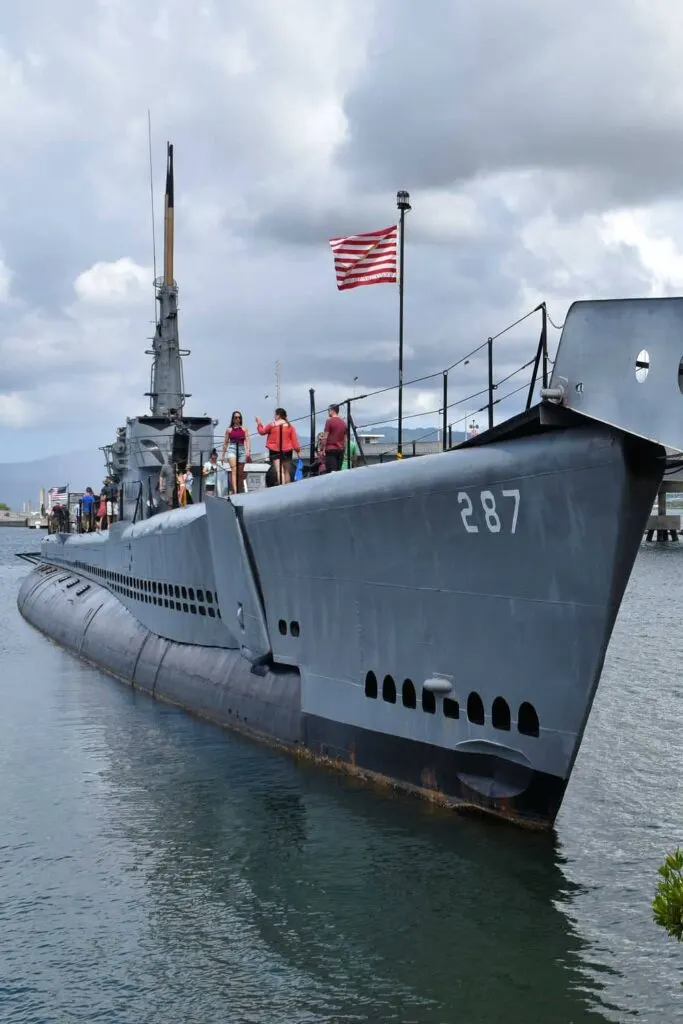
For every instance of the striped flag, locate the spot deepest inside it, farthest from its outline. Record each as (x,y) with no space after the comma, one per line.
(365,259)
(57,496)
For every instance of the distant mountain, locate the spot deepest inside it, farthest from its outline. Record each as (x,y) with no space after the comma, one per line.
(390,434)
(21,481)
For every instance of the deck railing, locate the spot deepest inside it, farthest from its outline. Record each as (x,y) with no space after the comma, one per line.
(374,409)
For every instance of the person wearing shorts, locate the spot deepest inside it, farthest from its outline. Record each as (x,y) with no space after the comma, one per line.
(112,504)
(282,444)
(238,448)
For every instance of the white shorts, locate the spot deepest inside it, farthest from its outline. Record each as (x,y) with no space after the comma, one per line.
(112,508)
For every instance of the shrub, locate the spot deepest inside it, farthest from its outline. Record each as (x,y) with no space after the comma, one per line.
(667,905)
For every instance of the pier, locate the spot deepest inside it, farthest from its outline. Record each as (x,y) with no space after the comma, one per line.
(13,519)
(663,526)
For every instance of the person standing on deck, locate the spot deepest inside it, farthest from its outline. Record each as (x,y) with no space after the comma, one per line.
(282,444)
(236,443)
(335,440)
(209,472)
(112,498)
(189,482)
(166,487)
(101,523)
(184,481)
(354,456)
(88,511)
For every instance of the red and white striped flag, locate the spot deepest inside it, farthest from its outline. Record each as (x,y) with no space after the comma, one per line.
(365,259)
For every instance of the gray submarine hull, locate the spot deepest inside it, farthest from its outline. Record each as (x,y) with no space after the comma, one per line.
(459,664)
(264,702)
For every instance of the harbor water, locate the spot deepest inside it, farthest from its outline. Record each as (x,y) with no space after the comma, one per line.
(157,869)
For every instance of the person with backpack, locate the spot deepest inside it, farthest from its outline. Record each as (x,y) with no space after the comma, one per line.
(282,443)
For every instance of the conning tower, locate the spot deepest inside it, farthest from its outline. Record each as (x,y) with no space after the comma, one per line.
(150,451)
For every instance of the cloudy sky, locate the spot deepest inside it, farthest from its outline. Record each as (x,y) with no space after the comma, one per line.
(541,144)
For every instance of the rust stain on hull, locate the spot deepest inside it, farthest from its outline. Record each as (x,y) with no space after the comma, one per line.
(429,793)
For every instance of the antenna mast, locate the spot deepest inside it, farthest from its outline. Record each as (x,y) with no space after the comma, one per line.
(277,382)
(169,203)
(166,394)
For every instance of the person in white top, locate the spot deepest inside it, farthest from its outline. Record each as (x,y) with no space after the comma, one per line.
(209,471)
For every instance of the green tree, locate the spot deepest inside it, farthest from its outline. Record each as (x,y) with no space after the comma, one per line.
(4,507)
(667,905)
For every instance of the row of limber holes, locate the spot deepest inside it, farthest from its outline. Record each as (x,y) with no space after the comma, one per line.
(153,592)
(527,718)
(132,595)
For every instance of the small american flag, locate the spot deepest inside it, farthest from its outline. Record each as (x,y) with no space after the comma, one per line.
(365,259)
(57,495)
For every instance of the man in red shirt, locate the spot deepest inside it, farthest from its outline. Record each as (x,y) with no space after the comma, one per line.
(334,440)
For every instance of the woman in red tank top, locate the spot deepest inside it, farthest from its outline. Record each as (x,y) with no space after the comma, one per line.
(236,443)
(282,441)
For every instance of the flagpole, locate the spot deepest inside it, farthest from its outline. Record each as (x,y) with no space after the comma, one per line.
(403,204)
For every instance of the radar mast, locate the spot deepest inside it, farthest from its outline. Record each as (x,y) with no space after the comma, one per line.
(167,395)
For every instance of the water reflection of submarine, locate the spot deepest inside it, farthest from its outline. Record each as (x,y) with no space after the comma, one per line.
(388,890)
(426,906)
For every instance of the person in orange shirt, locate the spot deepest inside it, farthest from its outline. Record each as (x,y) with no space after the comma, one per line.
(282,442)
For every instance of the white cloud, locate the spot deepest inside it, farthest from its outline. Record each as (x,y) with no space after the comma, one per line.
(658,253)
(446,217)
(120,283)
(30,114)
(5,282)
(17,411)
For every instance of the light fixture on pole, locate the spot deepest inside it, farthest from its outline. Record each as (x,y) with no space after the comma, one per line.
(403,204)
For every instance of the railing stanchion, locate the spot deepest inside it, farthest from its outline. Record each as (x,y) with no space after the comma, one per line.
(311,453)
(489,345)
(444,420)
(348,433)
(544,343)
(534,372)
(361,452)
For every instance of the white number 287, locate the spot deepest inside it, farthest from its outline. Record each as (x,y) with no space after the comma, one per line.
(494,522)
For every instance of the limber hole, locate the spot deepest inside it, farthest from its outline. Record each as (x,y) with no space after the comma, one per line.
(389,690)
